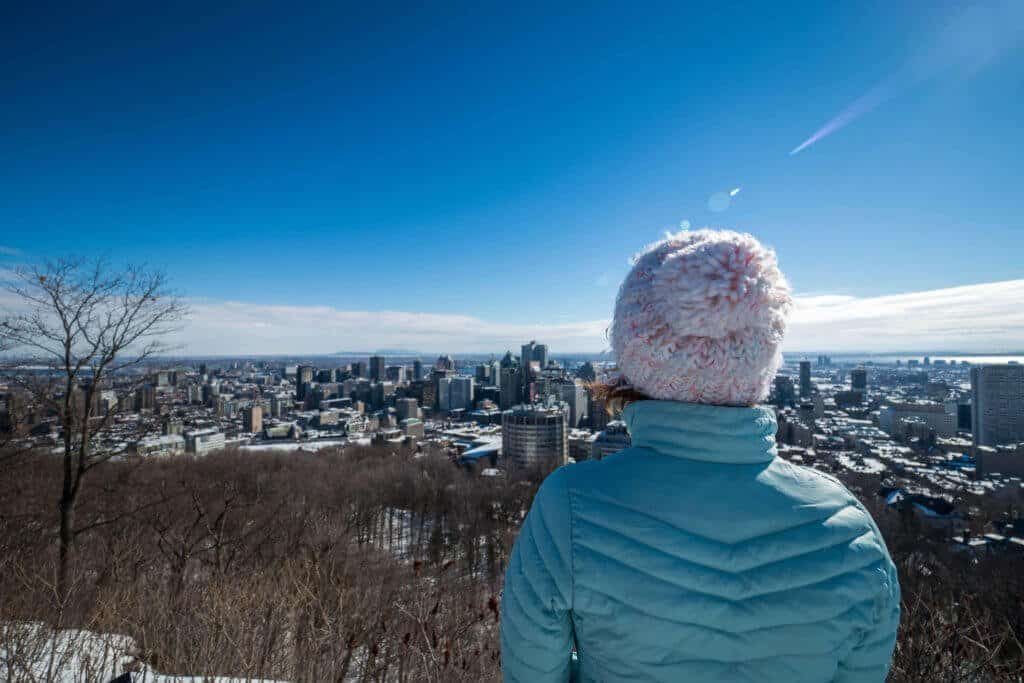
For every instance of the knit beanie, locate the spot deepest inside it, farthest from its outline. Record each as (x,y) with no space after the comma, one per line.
(700,318)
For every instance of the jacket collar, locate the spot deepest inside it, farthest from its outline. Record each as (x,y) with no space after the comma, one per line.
(697,431)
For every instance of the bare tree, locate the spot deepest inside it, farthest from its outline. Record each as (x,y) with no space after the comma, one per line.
(84,323)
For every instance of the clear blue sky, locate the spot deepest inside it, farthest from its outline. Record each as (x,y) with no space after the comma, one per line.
(501,160)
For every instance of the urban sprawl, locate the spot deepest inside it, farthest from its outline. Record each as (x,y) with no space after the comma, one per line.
(939,435)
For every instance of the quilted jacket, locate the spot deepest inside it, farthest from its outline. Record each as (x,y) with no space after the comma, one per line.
(697,555)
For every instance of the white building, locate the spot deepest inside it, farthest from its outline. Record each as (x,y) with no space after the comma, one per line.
(171,444)
(455,393)
(936,416)
(203,441)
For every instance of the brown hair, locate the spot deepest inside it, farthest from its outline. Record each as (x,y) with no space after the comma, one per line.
(616,395)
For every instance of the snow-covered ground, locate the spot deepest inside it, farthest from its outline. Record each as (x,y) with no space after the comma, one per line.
(295,445)
(34,653)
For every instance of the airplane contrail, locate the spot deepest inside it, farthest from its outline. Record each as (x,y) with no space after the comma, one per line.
(973,38)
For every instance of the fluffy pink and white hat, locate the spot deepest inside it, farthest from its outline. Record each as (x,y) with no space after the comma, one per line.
(700,318)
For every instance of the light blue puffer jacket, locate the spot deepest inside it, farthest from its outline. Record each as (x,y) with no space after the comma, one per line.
(697,555)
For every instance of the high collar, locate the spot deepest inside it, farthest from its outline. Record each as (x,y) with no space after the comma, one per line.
(698,431)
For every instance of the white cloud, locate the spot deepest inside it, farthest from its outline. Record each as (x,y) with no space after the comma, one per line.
(985,318)
(216,328)
(10,251)
(980,318)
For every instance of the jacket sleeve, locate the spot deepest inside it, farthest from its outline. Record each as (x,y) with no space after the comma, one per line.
(869,661)
(536,624)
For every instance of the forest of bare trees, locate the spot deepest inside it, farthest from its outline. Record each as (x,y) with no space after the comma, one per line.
(370,564)
(355,565)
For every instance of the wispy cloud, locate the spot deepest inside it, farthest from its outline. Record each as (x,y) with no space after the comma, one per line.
(241,328)
(10,251)
(983,318)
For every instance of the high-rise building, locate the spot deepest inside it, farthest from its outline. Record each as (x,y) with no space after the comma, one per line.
(454,393)
(252,419)
(377,371)
(145,398)
(417,370)
(461,397)
(380,392)
(997,408)
(483,374)
(360,369)
(533,359)
(535,434)
(406,408)
(396,374)
(597,413)
(574,394)
(859,379)
(303,379)
(510,387)
(805,379)
(784,393)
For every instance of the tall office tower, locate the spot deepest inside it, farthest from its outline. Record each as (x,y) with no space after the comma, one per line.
(574,395)
(805,378)
(510,387)
(859,379)
(597,413)
(535,352)
(533,359)
(377,371)
(445,362)
(145,398)
(784,394)
(417,370)
(395,373)
(483,374)
(535,434)
(360,369)
(460,393)
(252,419)
(303,377)
(997,408)
(406,408)
(380,392)
(439,380)
(443,391)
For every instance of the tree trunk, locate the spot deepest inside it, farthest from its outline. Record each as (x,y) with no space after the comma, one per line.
(67,537)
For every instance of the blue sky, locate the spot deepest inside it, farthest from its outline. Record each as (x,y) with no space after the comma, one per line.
(495,165)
